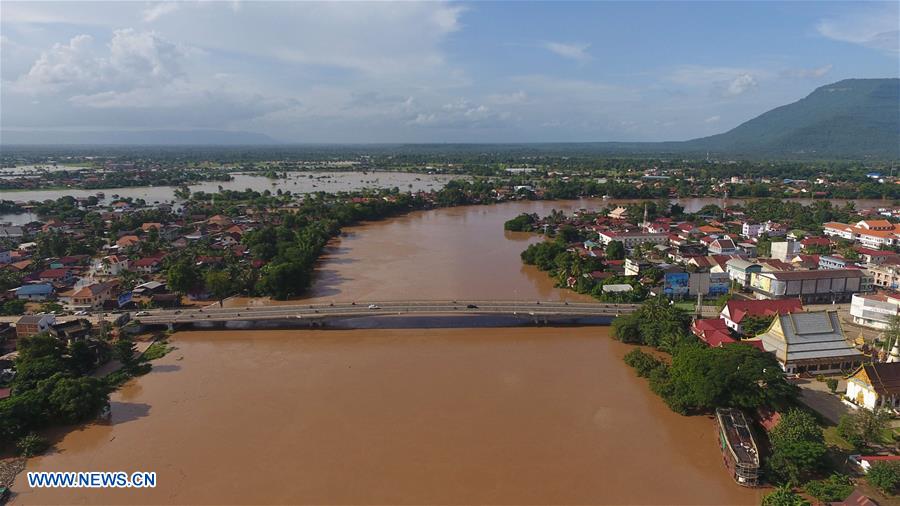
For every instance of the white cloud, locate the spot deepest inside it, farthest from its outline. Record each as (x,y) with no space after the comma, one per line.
(721,81)
(159,10)
(812,73)
(133,58)
(572,51)
(872,27)
(460,113)
(516,97)
(739,85)
(570,88)
(712,119)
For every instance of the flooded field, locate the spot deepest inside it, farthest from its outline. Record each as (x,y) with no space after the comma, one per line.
(297,182)
(487,416)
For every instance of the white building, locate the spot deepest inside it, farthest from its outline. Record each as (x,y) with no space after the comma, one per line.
(876,385)
(633,239)
(875,310)
(751,230)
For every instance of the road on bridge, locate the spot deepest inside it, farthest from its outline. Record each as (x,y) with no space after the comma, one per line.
(386,308)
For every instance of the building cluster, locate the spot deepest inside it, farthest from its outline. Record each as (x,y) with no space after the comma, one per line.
(126,271)
(717,256)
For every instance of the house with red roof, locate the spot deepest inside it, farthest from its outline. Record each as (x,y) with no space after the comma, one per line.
(712,331)
(805,261)
(148,265)
(811,242)
(736,310)
(57,276)
(874,256)
(722,247)
(127,241)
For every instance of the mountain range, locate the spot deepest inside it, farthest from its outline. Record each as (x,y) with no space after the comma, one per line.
(849,119)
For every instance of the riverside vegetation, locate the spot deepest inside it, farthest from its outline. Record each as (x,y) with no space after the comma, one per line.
(54,386)
(693,378)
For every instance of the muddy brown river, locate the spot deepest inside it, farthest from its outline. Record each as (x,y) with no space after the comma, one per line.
(441,416)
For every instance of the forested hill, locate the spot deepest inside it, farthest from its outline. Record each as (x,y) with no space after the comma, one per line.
(854,118)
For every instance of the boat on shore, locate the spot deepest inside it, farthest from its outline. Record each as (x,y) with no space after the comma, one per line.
(739,451)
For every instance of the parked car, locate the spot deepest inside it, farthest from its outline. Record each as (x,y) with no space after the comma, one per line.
(471,306)
(373,306)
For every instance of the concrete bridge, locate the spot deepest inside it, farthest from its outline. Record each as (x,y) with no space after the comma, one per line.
(295,314)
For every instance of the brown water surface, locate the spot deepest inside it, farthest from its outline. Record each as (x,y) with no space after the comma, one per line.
(454,416)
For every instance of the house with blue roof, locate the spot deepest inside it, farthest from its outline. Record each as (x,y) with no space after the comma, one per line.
(35,292)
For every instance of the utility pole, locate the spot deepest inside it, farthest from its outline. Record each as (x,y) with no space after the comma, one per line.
(698,314)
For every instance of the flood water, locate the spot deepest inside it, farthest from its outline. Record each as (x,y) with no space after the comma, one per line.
(452,416)
(296,182)
(534,415)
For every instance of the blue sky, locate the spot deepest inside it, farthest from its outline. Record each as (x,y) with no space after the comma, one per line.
(430,72)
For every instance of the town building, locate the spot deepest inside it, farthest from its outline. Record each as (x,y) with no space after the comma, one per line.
(833,262)
(111,265)
(71,331)
(810,342)
(712,331)
(751,230)
(819,286)
(91,296)
(874,310)
(784,250)
(679,284)
(634,267)
(148,265)
(32,324)
(740,270)
(722,247)
(875,385)
(632,239)
(736,310)
(870,233)
(885,275)
(35,292)
(875,256)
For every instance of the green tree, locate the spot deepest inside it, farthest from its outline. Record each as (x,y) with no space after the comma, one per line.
(40,357)
(752,326)
(219,284)
(81,357)
(568,234)
(885,476)
(521,223)
(615,250)
(735,375)
(74,400)
(31,445)
(832,384)
(182,276)
(892,334)
(12,308)
(863,427)
(125,351)
(783,496)
(835,488)
(798,447)
(52,307)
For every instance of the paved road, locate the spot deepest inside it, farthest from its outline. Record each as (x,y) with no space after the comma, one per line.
(312,311)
